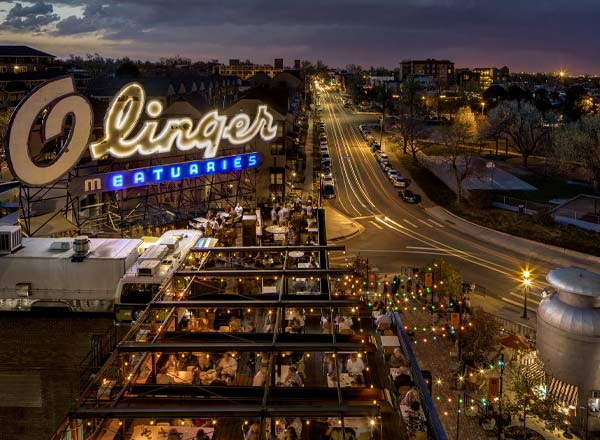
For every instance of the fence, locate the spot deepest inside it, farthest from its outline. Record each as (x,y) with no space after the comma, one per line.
(509,326)
(527,205)
(434,426)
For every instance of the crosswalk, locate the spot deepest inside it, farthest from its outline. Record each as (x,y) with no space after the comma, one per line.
(516,299)
(411,222)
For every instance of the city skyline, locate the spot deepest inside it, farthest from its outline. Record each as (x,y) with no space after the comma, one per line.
(536,37)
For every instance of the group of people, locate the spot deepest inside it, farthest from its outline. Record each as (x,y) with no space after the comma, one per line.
(354,366)
(205,369)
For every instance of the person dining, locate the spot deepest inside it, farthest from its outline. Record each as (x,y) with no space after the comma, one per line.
(250,327)
(260,377)
(355,367)
(235,325)
(397,359)
(227,367)
(293,379)
(344,324)
(294,326)
(384,322)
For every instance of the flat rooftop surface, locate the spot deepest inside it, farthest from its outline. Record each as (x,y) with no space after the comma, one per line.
(100,248)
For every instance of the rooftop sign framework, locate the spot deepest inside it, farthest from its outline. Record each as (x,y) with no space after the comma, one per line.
(126,133)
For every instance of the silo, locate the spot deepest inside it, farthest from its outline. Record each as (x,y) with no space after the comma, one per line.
(568,336)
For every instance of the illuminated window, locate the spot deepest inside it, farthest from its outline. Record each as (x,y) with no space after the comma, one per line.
(277,149)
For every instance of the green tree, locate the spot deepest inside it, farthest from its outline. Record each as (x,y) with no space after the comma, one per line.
(522,392)
(580,142)
(493,95)
(463,163)
(478,341)
(523,124)
(578,103)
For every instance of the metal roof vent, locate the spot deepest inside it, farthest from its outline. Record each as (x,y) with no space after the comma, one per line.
(81,247)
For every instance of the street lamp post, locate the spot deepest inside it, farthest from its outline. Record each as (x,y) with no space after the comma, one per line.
(501,421)
(526,284)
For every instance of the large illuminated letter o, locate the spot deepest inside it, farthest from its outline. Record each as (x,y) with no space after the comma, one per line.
(61,100)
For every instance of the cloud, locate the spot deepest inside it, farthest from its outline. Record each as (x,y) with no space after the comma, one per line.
(29,18)
(470,32)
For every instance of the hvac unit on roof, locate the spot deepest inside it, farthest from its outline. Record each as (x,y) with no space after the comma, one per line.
(11,239)
(148,268)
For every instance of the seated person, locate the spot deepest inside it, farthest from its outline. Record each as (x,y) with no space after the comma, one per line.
(202,325)
(397,359)
(172,365)
(260,377)
(383,322)
(235,325)
(329,365)
(411,396)
(227,367)
(355,367)
(294,326)
(344,324)
(250,327)
(293,379)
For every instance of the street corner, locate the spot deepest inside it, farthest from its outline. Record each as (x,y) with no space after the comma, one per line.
(339,227)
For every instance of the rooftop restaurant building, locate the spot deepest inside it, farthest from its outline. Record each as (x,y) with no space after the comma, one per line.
(255,342)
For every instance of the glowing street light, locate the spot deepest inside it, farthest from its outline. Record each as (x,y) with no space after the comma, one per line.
(526,284)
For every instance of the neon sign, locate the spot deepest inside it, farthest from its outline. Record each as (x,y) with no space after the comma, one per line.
(126,131)
(137,177)
(122,140)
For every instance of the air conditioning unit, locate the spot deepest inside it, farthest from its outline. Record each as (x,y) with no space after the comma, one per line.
(148,268)
(11,239)
(171,242)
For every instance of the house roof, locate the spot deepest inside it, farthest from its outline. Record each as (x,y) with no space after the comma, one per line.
(276,97)
(22,51)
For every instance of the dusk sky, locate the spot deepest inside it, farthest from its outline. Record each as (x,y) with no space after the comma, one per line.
(526,35)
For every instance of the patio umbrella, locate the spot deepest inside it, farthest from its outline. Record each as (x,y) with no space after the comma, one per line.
(515,341)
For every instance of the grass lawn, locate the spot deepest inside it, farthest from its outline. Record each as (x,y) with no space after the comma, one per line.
(566,236)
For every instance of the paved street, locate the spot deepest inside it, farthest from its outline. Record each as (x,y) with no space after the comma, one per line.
(399,234)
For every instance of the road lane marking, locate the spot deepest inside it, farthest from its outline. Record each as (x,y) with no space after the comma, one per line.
(515,303)
(364,217)
(436,223)
(531,298)
(425,223)
(375,224)
(410,223)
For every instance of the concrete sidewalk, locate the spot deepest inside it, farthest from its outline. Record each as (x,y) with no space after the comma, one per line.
(338,226)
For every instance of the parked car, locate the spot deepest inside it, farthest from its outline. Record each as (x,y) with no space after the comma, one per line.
(385,166)
(408,196)
(322,138)
(383,158)
(392,174)
(375,147)
(328,191)
(400,182)
(327,179)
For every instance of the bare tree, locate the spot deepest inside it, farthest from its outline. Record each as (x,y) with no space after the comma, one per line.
(411,130)
(463,163)
(523,124)
(580,142)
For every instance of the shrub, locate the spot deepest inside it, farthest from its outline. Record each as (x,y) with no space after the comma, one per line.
(543,217)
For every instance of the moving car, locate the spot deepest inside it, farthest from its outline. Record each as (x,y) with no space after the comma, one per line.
(408,196)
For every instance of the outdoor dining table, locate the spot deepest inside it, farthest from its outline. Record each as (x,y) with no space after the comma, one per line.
(296,254)
(144,432)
